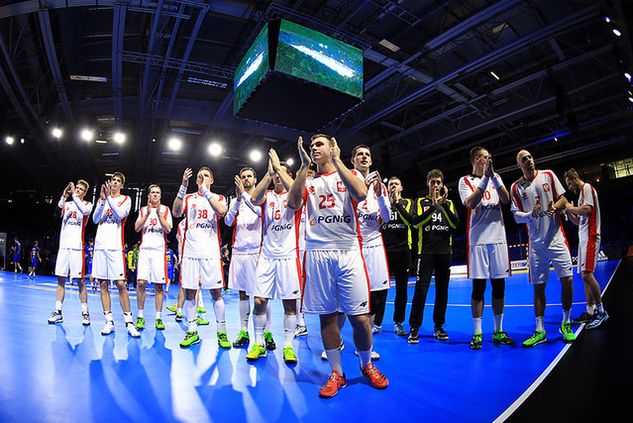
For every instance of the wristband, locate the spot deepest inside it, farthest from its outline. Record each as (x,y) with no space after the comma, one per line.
(483,183)
(205,191)
(496,182)
(182,191)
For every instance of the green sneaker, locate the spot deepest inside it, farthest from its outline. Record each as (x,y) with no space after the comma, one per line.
(270,342)
(159,324)
(179,317)
(223,340)
(567,332)
(500,337)
(172,308)
(257,351)
(476,342)
(191,338)
(140,323)
(242,339)
(200,321)
(289,355)
(202,310)
(537,338)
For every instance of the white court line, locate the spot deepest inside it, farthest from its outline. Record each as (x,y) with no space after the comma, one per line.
(516,404)
(490,305)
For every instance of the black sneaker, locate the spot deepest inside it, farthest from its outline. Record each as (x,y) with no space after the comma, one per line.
(440,334)
(584,318)
(269,341)
(413,336)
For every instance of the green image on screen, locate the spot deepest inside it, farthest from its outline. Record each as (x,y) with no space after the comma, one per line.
(316,57)
(251,69)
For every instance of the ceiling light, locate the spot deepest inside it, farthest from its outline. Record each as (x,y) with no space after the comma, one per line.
(290,161)
(495,75)
(22,140)
(255,155)
(389,45)
(57,133)
(627,76)
(87,135)
(215,149)
(119,137)
(9,140)
(617,32)
(607,19)
(631,99)
(174,144)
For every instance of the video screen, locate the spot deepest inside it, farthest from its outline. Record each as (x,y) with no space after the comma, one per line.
(251,69)
(316,57)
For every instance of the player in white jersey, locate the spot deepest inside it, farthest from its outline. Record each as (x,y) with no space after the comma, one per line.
(110,214)
(301,329)
(587,216)
(247,238)
(536,200)
(278,267)
(335,277)
(154,222)
(201,263)
(70,262)
(483,192)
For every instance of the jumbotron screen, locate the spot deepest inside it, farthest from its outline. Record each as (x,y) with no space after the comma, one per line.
(308,54)
(251,69)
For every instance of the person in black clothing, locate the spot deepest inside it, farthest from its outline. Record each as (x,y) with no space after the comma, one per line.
(397,238)
(436,219)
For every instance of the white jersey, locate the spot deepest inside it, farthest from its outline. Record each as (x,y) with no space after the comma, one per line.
(302,232)
(179,234)
(332,223)
(247,228)
(589,226)
(370,216)
(153,236)
(485,222)
(281,226)
(543,230)
(74,219)
(110,216)
(201,237)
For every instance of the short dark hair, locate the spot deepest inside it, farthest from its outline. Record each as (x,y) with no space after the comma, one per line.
(394,177)
(207,169)
(120,175)
(287,166)
(149,188)
(315,136)
(244,169)
(572,173)
(358,147)
(434,173)
(84,183)
(475,151)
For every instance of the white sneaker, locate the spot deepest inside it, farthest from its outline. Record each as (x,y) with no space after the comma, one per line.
(301,330)
(108,328)
(85,318)
(56,317)
(131,330)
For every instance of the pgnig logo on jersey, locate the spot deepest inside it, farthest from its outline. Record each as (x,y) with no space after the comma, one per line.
(203,225)
(276,228)
(331,219)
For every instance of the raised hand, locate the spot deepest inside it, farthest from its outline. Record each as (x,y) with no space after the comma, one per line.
(239,187)
(102,193)
(72,187)
(336,151)
(305,157)
(186,175)
(68,190)
(443,195)
(273,160)
(374,179)
(489,169)
(199,181)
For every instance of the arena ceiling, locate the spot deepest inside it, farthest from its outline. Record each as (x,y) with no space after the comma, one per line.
(440,77)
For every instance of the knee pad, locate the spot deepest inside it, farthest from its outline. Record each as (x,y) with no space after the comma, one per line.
(479,288)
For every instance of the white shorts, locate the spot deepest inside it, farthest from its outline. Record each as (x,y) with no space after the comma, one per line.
(278,278)
(152,266)
(588,253)
(335,280)
(108,265)
(377,269)
(70,263)
(540,258)
(203,273)
(489,261)
(242,272)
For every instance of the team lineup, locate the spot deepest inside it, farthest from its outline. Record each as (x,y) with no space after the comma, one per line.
(324,241)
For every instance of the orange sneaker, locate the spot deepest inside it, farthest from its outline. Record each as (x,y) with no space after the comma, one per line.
(376,379)
(333,384)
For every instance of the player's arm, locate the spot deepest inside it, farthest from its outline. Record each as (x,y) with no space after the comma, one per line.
(521,216)
(571,215)
(384,206)
(141,219)
(100,207)
(165,219)
(274,165)
(64,197)
(355,186)
(259,193)
(218,206)
(448,210)
(177,208)
(122,211)
(295,194)
(249,203)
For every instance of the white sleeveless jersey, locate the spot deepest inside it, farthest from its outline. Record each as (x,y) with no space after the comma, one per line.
(589,226)
(331,220)
(153,236)
(543,230)
(485,222)
(369,219)
(74,222)
(110,229)
(281,227)
(201,237)
(247,230)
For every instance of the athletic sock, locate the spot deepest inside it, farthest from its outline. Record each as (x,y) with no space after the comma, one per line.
(159,314)
(127,317)
(477,324)
(218,309)
(84,307)
(566,315)
(108,316)
(498,322)
(365,358)
(190,311)
(289,329)
(140,313)
(268,314)
(179,310)
(58,306)
(245,311)
(539,323)
(334,358)
(590,309)
(259,322)
(300,320)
